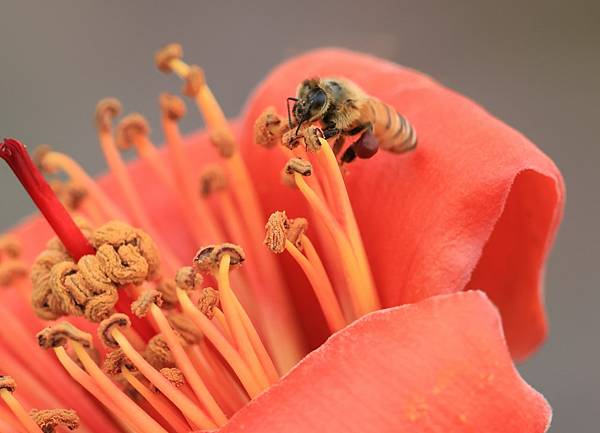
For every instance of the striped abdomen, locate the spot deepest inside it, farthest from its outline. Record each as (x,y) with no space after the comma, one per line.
(391,129)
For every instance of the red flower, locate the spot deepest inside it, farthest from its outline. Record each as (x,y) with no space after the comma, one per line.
(476,206)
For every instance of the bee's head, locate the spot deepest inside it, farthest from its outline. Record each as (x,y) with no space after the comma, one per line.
(312,102)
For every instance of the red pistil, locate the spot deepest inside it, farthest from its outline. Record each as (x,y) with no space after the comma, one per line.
(16,156)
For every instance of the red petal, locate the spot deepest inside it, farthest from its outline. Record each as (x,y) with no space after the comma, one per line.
(474,195)
(440,365)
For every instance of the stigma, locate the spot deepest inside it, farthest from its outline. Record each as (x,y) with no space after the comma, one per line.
(164,342)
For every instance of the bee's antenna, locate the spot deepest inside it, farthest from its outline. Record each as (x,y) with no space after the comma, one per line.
(289,111)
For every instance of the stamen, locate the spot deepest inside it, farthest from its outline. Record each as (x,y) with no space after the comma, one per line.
(300,166)
(224,347)
(10,246)
(329,163)
(56,336)
(172,109)
(133,131)
(49,419)
(15,155)
(158,402)
(60,333)
(106,326)
(53,162)
(209,300)
(169,59)
(269,128)
(187,278)
(283,234)
(187,407)
(139,417)
(91,387)
(362,299)
(186,366)
(228,301)
(106,110)
(12,271)
(7,387)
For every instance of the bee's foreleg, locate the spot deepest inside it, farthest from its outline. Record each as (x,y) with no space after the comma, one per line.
(330,131)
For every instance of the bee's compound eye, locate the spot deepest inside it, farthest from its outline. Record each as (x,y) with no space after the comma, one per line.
(318,99)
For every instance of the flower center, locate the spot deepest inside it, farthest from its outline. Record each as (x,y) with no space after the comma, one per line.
(193,355)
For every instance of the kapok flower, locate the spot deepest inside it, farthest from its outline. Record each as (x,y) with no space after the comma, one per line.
(149,325)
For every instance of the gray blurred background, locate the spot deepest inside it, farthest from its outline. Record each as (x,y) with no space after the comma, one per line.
(534,64)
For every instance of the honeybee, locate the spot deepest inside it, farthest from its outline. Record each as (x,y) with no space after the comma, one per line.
(344,109)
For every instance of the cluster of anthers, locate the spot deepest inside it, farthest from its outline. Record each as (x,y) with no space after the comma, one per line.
(170,352)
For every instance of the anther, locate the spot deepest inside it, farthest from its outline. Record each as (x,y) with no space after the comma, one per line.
(185,328)
(212,179)
(106,327)
(269,128)
(173,375)
(158,354)
(172,106)
(115,361)
(168,292)
(300,166)
(296,228)
(49,419)
(141,306)
(194,80)
(11,270)
(312,138)
(276,228)
(187,278)
(208,302)
(106,110)
(165,55)
(60,333)
(207,259)
(290,139)
(130,128)
(8,383)
(224,140)
(10,246)
(38,157)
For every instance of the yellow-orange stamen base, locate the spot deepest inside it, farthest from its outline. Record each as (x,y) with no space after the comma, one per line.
(19,411)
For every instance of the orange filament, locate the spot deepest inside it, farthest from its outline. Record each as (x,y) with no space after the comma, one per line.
(362,300)
(90,386)
(59,161)
(139,417)
(149,153)
(282,322)
(332,172)
(182,173)
(320,284)
(256,342)
(19,411)
(232,314)
(119,169)
(158,402)
(223,346)
(187,368)
(220,317)
(218,384)
(183,403)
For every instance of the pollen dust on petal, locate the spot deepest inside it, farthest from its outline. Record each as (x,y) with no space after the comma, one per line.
(416,408)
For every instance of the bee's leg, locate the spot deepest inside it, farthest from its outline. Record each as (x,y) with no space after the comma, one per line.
(338,144)
(348,156)
(330,130)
